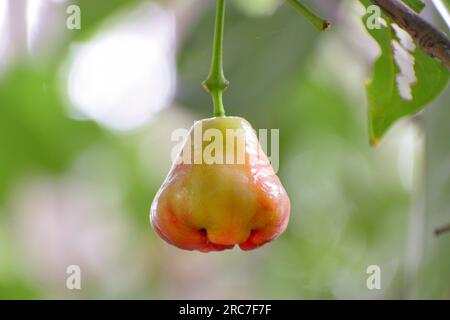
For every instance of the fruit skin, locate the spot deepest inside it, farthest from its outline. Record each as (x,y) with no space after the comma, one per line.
(212,207)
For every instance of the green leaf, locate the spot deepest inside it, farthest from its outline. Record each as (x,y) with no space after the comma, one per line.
(416,5)
(386,105)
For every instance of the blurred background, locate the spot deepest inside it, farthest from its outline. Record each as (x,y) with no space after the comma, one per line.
(85,123)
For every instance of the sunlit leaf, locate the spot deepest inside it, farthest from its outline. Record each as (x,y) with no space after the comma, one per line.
(416,5)
(386,104)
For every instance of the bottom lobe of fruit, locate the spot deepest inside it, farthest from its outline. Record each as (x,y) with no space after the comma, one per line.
(204,244)
(210,246)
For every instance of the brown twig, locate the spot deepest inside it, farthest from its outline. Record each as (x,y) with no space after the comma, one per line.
(428,38)
(442,230)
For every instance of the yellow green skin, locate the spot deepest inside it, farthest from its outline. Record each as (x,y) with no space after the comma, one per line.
(212,207)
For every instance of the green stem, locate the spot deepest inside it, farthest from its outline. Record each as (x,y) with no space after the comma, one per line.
(216,83)
(219,110)
(318,22)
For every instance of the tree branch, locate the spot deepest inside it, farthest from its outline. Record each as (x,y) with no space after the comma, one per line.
(442,230)
(428,38)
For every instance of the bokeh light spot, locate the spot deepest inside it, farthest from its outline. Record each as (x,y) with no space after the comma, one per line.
(126,73)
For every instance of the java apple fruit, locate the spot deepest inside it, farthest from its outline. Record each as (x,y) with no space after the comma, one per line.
(230,199)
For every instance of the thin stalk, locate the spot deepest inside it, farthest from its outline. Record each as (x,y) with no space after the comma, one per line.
(216,83)
(321,24)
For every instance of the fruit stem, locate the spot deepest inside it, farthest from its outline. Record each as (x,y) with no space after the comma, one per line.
(318,22)
(216,83)
(219,110)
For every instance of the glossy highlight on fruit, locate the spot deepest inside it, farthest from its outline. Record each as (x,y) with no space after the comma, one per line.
(212,207)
